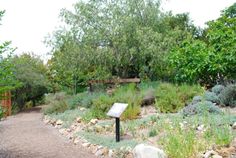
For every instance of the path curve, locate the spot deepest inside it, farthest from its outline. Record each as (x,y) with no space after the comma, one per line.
(26,136)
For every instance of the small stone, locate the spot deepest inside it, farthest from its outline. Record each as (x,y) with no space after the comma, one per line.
(76,141)
(217,156)
(82,109)
(53,121)
(110,153)
(94,148)
(46,121)
(234,125)
(181,125)
(68,130)
(105,151)
(98,128)
(129,155)
(93,121)
(78,119)
(86,144)
(210,153)
(59,122)
(99,153)
(200,128)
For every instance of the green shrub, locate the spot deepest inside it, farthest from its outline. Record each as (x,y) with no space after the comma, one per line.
(217,89)
(201,108)
(228,96)
(181,143)
(152,133)
(84,99)
(197,99)
(55,107)
(171,98)
(124,94)
(212,97)
(221,136)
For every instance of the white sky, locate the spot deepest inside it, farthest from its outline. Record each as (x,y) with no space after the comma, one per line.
(27,22)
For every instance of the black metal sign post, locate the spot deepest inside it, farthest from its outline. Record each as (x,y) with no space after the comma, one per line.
(117,129)
(116,110)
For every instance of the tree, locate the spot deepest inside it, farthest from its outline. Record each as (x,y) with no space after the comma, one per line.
(7,77)
(31,72)
(124,38)
(211,59)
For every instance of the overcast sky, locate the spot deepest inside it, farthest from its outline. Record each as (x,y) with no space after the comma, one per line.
(27,22)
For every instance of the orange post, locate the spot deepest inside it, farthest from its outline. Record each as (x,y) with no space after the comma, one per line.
(6,103)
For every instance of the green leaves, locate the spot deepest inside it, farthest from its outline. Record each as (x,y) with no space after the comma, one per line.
(210,60)
(120,38)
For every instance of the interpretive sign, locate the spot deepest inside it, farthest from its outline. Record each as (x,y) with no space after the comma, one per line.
(117,109)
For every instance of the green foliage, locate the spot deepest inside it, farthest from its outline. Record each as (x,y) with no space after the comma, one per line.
(201,108)
(171,98)
(212,59)
(152,133)
(228,96)
(31,72)
(220,136)
(56,103)
(120,38)
(212,97)
(181,144)
(217,89)
(7,69)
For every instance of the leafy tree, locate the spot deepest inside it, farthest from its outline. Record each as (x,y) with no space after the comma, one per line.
(7,77)
(124,38)
(210,59)
(31,72)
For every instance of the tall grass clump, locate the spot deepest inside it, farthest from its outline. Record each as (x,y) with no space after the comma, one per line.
(171,98)
(180,143)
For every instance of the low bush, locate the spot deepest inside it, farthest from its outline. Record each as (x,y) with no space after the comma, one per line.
(84,99)
(217,89)
(56,103)
(171,98)
(201,108)
(228,96)
(219,136)
(152,133)
(197,99)
(55,107)
(212,97)
(124,94)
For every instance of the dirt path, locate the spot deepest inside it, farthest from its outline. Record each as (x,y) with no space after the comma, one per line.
(25,136)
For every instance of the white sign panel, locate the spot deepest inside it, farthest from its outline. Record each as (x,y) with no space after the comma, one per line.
(117,109)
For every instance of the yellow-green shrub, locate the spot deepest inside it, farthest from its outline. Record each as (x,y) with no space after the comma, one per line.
(172,98)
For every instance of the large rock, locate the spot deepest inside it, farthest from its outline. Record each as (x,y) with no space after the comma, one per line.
(146,151)
(148,99)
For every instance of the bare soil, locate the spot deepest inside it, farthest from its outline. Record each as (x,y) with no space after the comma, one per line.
(26,136)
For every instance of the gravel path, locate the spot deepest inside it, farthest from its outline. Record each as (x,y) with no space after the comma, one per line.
(26,136)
